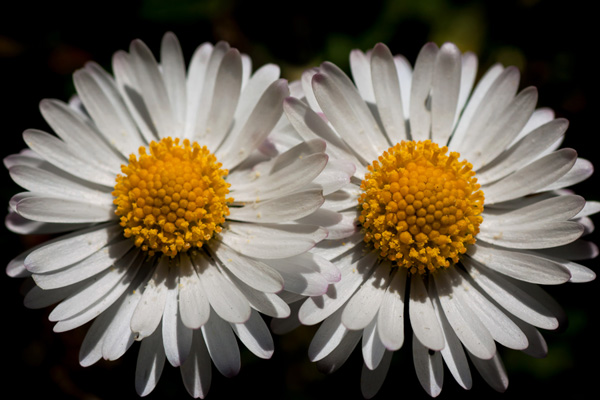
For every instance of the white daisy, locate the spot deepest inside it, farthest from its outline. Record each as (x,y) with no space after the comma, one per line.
(181,233)
(460,213)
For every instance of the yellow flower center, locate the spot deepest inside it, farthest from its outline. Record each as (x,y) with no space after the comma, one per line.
(172,199)
(420,206)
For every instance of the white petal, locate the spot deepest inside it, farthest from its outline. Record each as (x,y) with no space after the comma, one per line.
(280,209)
(252,132)
(70,248)
(96,263)
(523,152)
(96,295)
(194,306)
(224,297)
(255,334)
(56,152)
(558,208)
(48,209)
(386,88)
(502,128)
(222,345)
(310,125)
(363,306)
(535,176)
(152,88)
(197,369)
(429,368)
(390,319)
(177,338)
(354,272)
(327,338)
(528,267)
(360,66)
(252,272)
(372,380)
(225,96)
(535,236)
(502,329)
(582,170)
(474,100)
(149,311)
(150,363)
(102,101)
(445,87)
(282,179)
(339,225)
(579,273)
(342,117)
(372,348)
(173,71)
(270,241)
(492,371)
(79,134)
(453,352)
(467,326)
(497,97)
(47,183)
(340,354)
(423,320)
(515,300)
(420,116)
(91,348)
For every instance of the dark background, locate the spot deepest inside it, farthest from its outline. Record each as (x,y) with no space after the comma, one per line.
(41,43)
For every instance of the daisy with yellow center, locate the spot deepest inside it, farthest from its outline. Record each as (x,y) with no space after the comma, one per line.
(457,215)
(182,227)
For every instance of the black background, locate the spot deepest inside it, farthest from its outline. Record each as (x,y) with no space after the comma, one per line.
(41,43)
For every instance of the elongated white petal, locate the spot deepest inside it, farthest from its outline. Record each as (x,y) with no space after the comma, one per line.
(423,320)
(250,271)
(149,311)
(97,262)
(535,176)
(173,71)
(453,352)
(340,354)
(281,209)
(354,272)
(492,371)
(196,371)
(255,335)
(225,298)
(390,318)
(272,240)
(429,368)
(524,266)
(362,308)
(177,337)
(222,346)
(445,87)
(70,248)
(150,363)
(194,306)
(420,116)
(467,326)
(515,300)
(79,134)
(56,152)
(386,88)
(152,88)
(49,209)
(47,183)
(372,348)
(372,380)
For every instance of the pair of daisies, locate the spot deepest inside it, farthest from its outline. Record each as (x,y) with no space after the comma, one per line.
(185,203)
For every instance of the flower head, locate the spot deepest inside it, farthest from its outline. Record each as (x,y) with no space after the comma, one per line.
(181,230)
(460,212)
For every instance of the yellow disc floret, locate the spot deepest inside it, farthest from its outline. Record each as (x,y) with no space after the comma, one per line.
(420,206)
(173,199)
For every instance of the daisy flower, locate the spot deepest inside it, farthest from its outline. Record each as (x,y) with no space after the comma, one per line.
(460,213)
(178,232)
